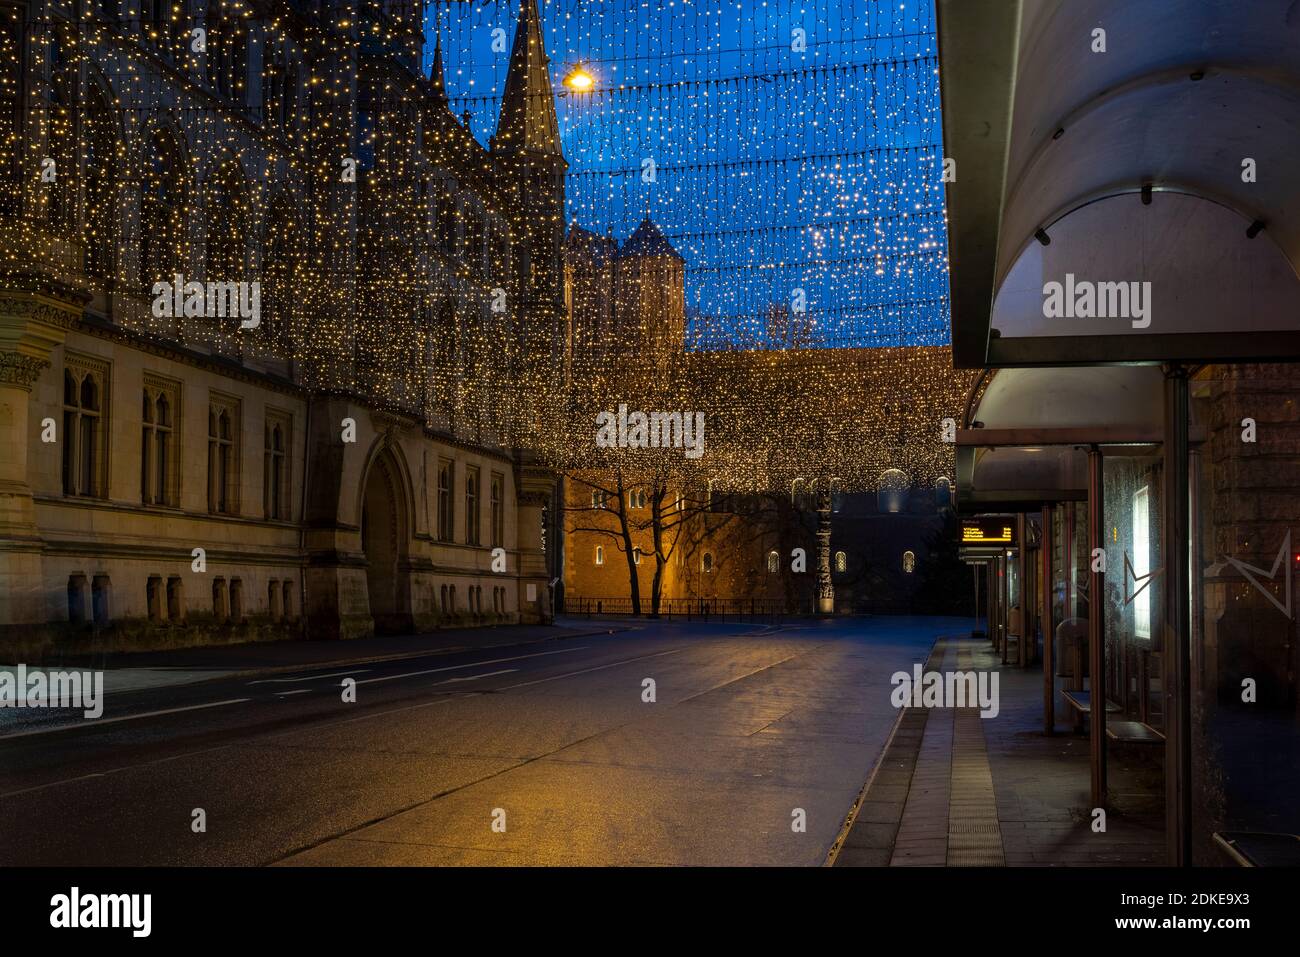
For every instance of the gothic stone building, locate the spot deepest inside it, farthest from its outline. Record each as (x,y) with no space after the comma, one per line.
(170,478)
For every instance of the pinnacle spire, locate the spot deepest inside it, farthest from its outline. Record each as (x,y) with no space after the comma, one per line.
(436,78)
(527,119)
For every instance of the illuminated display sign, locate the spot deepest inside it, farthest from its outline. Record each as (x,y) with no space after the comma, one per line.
(988,531)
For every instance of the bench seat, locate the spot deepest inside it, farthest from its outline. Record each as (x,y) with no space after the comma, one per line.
(1082,701)
(1133,732)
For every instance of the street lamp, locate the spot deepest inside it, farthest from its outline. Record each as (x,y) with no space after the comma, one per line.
(579,79)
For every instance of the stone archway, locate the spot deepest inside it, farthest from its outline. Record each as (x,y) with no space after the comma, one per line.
(384,541)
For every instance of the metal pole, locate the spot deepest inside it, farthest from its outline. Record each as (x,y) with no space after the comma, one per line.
(1067,569)
(1177,675)
(1022,574)
(1096,627)
(1045,621)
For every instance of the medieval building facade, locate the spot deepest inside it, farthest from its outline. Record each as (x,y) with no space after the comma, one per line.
(697,546)
(314,462)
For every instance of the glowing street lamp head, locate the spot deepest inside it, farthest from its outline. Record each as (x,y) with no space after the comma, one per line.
(579,80)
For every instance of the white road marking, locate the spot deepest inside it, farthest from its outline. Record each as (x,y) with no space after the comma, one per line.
(125,717)
(506,671)
(285,694)
(285,681)
(584,671)
(472,664)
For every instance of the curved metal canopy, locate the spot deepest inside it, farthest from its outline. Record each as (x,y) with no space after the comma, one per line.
(1023,447)
(1146,161)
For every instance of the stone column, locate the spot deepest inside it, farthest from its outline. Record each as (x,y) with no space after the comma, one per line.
(825,587)
(31,327)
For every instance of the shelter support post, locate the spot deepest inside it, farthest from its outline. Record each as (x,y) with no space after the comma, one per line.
(1176,679)
(1045,622)
(1025,595)
(1096,627)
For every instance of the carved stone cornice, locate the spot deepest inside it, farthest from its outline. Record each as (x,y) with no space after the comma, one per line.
(32,325)
(36,308)
(21,370)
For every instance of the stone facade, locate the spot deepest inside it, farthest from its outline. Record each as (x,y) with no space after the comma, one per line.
(321,474)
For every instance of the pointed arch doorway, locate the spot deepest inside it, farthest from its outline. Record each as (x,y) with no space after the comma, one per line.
(384,540)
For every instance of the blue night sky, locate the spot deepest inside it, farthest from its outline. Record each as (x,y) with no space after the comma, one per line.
(776,170)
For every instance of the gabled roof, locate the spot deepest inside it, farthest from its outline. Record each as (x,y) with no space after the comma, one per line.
(649,241)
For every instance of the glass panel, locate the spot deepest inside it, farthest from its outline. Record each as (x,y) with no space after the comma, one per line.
(1245,515)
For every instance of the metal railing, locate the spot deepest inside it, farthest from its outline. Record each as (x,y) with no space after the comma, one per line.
(687,609)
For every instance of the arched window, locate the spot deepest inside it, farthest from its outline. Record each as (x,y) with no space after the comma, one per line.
(175,599)
(841,562)
(219,610)
(157,457)
(83,431)
(943,492)
(273,477)
(236,600)
(636,556)
(279,269)
(161,213)
(12,36)
(600,554)
(279,87)
(706,563)
(773,562)
(227,49)
(891,496)
(909,562)
(77,599)
(61,145)
(227,220)
(837,494)
(223,460)
(797,493)
(101,163)
(154,598)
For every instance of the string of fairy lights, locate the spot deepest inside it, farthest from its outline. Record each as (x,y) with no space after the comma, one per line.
(790,157)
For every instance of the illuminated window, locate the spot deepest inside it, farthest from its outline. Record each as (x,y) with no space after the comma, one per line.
(891,496)
(636,556)
(1141,563)
(706,563)
(600,554)
(841,562)
(909,562)
(773,562)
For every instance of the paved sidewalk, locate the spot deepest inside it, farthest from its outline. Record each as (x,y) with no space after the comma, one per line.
(954,789)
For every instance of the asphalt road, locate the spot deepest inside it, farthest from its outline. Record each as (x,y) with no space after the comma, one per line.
(549,741)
